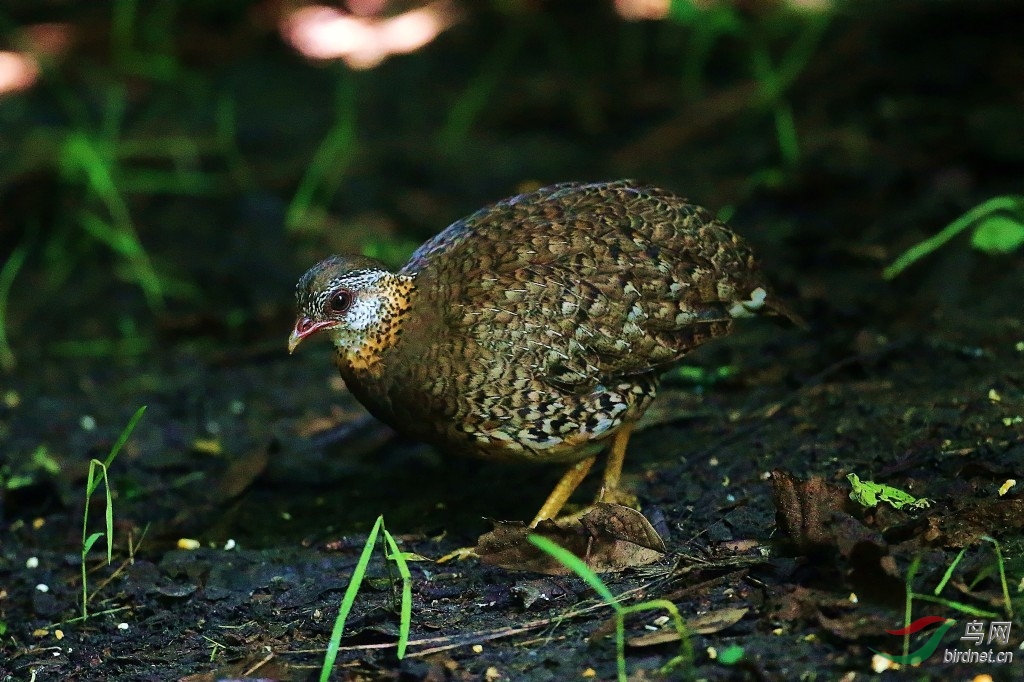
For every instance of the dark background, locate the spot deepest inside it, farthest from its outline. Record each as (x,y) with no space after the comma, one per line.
(176,167)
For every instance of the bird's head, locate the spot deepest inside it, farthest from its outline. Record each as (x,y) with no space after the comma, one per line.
(357,301)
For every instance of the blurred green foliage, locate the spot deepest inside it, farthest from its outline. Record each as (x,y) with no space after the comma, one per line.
(137,117)
(800,32)
(998,227)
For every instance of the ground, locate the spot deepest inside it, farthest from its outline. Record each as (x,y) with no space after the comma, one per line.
(906,118)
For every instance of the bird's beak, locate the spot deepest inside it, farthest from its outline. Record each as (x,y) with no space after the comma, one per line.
(304,327)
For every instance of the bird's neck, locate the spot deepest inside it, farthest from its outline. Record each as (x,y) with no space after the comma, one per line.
(363,355)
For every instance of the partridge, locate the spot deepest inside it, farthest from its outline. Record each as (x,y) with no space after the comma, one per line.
(537,328)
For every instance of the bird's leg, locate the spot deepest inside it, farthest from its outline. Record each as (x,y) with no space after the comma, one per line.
(565,488)
(613,470)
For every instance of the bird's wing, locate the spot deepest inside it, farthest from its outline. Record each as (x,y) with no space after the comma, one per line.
(588,282)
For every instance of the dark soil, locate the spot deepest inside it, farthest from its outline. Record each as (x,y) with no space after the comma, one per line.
(907,117)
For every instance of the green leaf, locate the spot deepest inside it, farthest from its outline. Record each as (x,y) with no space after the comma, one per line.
(89,542)
(869,494)
(732,655)
(348,600)
(403,570)
(998,234)
(123,438)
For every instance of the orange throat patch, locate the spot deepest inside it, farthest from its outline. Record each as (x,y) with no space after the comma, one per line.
(364,354)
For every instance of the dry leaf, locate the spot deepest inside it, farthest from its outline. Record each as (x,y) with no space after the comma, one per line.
(609,537)
(707,624)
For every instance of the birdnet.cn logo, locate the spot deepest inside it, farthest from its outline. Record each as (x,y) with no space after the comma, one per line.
(976,634)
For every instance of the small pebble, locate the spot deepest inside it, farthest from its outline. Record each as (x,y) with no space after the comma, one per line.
(478,648)
(880,664)
(43,588)
(229,545)
(32,562)
(122,626)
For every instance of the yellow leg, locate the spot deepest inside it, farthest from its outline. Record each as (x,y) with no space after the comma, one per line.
(613,470)
(616,455)
(565,488)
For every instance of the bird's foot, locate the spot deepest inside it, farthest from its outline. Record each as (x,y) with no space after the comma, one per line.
(618,496)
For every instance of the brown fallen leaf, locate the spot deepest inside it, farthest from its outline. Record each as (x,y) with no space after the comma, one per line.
(622,523)
(242,472)
(609,537)
(806,510)
(706,624)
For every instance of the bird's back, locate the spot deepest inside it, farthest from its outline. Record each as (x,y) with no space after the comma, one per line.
(600,279)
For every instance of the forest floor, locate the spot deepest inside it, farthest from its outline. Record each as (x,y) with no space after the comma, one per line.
(917,383)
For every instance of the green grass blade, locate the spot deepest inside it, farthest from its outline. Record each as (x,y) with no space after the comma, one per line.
(123,438)
(577,566)
(109,516)
(7,275)
(802,50)
(93,158)
(88,540)
(90,488)
(949,572)
(620,646)
(908,606)
(956,606)
(346,602)
(923,248)
(471,102)
(405,620)
(227,141)
(1002,574)
(786,134)
(332,156)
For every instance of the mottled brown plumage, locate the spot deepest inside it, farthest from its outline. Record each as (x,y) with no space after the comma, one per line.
(536,328)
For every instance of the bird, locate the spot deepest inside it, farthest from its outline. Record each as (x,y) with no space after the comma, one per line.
(537,328)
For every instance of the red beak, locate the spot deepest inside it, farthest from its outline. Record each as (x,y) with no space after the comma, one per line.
(304,327)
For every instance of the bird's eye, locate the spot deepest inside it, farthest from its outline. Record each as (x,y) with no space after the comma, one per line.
(340,301)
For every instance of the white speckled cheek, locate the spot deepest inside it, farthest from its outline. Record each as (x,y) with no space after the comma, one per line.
(365,311)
